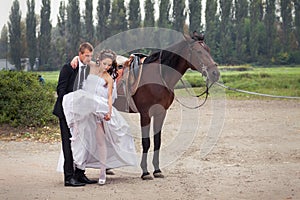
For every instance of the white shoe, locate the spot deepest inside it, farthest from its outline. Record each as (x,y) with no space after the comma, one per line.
(102,178)
(101,181)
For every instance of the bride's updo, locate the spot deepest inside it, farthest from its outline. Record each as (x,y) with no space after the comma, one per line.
(107,53)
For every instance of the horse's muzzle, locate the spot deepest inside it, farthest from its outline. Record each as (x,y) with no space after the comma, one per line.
(215,75)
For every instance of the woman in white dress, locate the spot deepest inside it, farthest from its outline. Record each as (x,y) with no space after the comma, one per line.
(100,135)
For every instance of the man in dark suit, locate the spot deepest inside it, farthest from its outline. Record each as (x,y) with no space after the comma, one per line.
(68,82)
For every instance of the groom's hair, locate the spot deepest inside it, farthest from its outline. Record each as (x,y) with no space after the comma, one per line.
(84,46)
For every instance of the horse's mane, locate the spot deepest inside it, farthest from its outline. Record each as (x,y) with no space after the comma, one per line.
(167,56)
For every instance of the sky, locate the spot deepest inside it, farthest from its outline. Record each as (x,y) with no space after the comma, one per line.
(5,9)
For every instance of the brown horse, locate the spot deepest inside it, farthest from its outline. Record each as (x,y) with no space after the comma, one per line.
(155,92)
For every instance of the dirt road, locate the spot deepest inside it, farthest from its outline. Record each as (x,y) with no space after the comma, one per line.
(229,150)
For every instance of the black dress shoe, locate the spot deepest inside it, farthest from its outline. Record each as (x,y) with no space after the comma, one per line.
(73,183)
(83,179)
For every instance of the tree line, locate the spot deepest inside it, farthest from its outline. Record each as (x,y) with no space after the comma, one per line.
(237,31)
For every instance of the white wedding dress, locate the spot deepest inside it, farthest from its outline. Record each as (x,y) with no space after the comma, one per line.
(83,110)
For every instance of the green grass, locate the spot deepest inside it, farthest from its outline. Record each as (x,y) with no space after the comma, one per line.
(281,81)
(50,76)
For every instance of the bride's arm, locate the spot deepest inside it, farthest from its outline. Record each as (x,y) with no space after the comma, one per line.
(109,81)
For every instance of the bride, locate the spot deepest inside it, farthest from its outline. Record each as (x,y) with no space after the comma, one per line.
(100,135)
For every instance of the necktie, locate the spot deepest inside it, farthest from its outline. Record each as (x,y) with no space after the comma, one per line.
(81,76)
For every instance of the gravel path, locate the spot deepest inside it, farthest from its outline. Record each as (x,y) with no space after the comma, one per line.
(237,150)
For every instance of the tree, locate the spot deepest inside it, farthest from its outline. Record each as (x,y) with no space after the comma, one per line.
(269,22)
(212,28)
(23,47)
(73,27)
(297,21)
(31,32)
(89,22)
(118,21)
(254,24)
(226,41)
(103,11)
(134,18)
(61,45)
(241,14)
(45,33)
(122,15)
(164,10)
(149,14)
(195,7)
(178,15)
(287,23)
(4,42)
(61,19)
(14,25)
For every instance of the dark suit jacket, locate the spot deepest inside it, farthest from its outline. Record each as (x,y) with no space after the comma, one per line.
(66,80)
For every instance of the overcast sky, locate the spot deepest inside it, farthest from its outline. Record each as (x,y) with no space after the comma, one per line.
(6,5)
(5,8)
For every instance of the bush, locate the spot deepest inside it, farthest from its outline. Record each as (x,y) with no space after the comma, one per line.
(295,57)
(24,101)
(283,58)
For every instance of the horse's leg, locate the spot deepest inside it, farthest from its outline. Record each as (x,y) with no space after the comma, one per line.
(145,126)
(157,126)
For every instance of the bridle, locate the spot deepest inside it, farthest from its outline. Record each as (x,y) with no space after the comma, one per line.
(207,85)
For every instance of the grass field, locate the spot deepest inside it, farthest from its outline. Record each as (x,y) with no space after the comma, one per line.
(283,80)
(50,76)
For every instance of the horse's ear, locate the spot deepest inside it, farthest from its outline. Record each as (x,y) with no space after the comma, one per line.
(185,29)
(188,38)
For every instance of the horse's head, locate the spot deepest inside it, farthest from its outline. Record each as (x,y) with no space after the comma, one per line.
(201,60)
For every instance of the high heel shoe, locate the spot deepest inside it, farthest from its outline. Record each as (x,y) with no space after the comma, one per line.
(101,181)
(102,178)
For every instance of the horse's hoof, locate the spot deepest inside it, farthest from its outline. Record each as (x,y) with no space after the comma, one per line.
(110,172)
(158,174)
(146,176)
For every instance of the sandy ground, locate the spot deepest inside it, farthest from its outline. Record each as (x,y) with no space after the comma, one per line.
(224,150)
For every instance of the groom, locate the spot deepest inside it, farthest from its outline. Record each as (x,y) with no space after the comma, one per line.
(70,79)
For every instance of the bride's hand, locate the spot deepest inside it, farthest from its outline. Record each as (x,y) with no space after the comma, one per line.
(107,117)
(74,62)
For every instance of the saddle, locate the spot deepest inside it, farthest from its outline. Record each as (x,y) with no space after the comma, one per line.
(130,72)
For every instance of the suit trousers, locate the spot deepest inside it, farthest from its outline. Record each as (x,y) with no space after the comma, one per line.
(66,147)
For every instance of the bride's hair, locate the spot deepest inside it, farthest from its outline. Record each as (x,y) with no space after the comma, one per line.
(113,71)
(108,53)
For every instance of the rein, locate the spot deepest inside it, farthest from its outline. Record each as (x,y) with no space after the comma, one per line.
(206,92)
(198,106)
(255,93)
